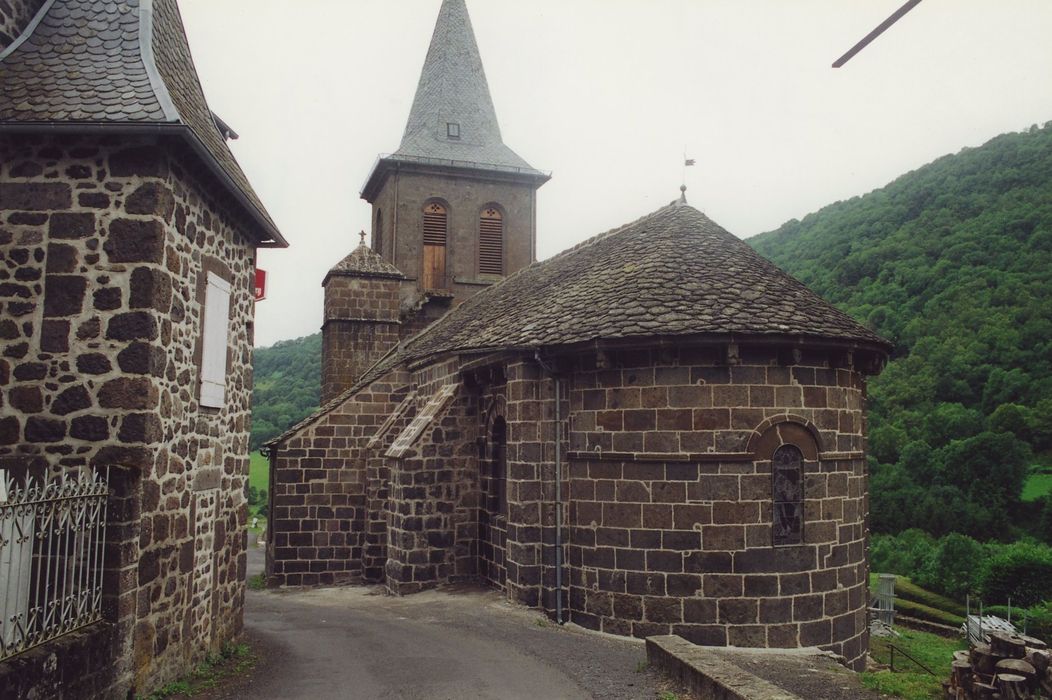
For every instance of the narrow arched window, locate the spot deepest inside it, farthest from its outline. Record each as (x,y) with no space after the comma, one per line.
(491,242)
(378,233)
(787,471)
(436,227)
(499,466)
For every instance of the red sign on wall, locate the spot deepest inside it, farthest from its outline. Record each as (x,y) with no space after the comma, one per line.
(261,284)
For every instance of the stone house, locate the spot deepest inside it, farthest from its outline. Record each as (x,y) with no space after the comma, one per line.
(656,431)
(127,254)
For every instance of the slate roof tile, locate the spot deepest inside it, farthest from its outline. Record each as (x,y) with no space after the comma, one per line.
(674,272)
(363,261)
(88,61)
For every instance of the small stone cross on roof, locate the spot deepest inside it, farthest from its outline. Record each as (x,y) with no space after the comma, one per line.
(362,234)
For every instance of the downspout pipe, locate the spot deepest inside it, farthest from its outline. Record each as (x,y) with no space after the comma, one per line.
(558,488)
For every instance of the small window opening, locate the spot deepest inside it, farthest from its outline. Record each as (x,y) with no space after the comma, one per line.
(378,233)
(491,242)
(453,130)
(436,227)
(787,470)
(499,466)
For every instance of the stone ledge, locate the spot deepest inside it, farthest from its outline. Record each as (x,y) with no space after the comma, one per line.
(707,675)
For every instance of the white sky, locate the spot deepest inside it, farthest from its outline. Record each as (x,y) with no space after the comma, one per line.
(606,94)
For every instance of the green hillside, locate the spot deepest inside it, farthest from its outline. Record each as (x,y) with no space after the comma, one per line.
(287,384)
(953,263)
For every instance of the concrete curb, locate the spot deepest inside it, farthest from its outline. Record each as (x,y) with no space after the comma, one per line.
(707,675)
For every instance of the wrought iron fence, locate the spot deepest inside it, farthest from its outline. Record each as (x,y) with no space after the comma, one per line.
(52,536)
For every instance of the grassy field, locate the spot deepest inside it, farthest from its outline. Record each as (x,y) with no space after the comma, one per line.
(258,478)
(909,680)
(1038,484)
(259,472)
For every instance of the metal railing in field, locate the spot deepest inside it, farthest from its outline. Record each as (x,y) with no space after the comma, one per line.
(52,537)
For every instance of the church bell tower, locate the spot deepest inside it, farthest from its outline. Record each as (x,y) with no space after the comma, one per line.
(454,210)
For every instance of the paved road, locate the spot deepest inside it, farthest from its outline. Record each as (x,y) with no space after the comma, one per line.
(458,643)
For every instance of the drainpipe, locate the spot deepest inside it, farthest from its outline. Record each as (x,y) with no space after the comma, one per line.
(558,489)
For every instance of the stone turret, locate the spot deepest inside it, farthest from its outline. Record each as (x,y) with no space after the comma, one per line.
(361,321)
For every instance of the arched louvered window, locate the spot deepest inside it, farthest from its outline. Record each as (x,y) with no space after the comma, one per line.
(378,233)
(491,242)
(436,227)
(787,471)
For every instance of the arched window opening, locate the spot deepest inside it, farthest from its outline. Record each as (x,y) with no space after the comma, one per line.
(436,226)
(491,242)
(787,470)
(499,466)
(378,233)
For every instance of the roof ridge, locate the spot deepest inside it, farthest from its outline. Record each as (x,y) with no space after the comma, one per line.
(160,88)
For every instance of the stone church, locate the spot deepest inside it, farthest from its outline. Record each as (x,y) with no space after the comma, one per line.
(656,431)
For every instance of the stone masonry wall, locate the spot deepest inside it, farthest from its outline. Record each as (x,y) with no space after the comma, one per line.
(103,245)
(319,491)
(434,493)
(402,201)
(360,325)
(670,499)
(15,15)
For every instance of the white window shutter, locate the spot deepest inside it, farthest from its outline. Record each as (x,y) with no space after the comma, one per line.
(214,343)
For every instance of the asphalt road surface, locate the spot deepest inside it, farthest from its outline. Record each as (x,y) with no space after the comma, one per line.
(463,642)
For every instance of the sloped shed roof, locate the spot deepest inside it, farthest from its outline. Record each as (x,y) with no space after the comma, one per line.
(89,64)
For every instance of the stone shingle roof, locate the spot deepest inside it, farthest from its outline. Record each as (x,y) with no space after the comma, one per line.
(453,90)
(91,63)
(363,261)
(674,272)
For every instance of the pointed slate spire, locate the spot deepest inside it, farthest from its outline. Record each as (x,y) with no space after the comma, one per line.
(453,116)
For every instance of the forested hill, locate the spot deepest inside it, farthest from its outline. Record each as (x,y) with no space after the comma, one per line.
(287,384)
(952,262)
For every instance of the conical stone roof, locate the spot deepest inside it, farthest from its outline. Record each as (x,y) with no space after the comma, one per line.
(363,261)
(453,94)
(674,272)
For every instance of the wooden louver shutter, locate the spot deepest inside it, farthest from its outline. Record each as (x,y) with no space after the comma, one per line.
(491,243)
(434,224)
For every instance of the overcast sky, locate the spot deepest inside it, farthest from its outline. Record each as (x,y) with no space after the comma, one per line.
(607,94)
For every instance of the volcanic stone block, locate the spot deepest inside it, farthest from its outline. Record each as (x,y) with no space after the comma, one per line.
(35,196)
(61,258)
(70,225)
(64,295)
(93,363)
(140,427)
(133,393)
(54,336)
(134,240)
(26,399)
(44,430)
(89,428)
(75,398)
(135,325)
(151,289)
(151,198)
